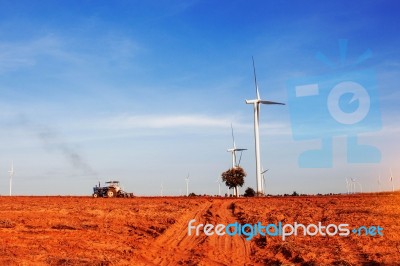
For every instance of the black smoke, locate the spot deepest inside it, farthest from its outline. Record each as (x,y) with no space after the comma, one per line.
(53,141)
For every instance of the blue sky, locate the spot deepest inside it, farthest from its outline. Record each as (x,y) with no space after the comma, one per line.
(145,92)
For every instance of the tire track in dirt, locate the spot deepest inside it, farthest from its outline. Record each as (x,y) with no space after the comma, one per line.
(176,247)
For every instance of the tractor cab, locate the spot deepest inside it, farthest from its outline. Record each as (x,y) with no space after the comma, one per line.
(112,183)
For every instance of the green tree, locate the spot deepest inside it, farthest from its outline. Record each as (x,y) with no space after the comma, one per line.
(249,192)
(234,177)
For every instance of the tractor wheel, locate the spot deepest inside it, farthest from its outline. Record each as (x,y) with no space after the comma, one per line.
(111,193)
(95,195)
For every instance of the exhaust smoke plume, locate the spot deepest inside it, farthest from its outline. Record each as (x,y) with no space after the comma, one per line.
(53,141)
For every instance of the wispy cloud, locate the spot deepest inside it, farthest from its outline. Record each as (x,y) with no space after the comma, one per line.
(114,49)
(16,55)
(165,121)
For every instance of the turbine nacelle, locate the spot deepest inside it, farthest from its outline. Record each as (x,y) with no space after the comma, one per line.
(236,149)
(258,101)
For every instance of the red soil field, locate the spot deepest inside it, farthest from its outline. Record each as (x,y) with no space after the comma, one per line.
(154,231)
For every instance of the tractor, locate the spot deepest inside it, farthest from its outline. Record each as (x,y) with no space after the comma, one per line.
(111,190)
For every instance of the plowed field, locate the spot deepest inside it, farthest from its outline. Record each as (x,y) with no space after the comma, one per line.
(154,231)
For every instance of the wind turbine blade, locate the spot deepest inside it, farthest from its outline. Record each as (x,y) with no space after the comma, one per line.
(240,158)
(264,171)
(233,137)
(269,102)
(240,149)
(255,79)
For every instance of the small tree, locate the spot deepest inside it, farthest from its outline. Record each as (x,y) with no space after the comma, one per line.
(234,177)
(249,192)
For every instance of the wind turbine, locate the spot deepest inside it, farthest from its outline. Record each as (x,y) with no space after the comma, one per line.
(359,184)
(391,179)
(353,185)
(187,185)
(219,186)
(162,188)
(233,151)
(379,183)
(256,104)
(11,172)
(347,186)
(263,179)
(354,182)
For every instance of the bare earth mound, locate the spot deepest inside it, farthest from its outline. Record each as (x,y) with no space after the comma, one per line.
(154,231)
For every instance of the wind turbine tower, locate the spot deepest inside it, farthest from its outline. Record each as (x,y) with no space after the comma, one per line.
(379,183)
(11,172)
(353,185)
(219,187)
(256,104)
(187,185)
(391,179)
(263,179)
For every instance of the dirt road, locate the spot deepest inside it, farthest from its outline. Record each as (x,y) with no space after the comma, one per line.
(177,247)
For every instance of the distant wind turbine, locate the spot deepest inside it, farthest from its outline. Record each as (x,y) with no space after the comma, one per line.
(359,184)
(256,104)
(354,182)
(187,185)
(233,151)
(219,186)
(162,188)
(348,186)
(11,172)
(391,179)
(263,179)
(353,185)
(379,183)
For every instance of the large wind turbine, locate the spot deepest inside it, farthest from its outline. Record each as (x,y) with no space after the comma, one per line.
(256,104)
(11,172)
(187,185)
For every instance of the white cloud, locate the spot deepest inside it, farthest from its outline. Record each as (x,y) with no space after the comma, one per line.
(165,121)
(15,55)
